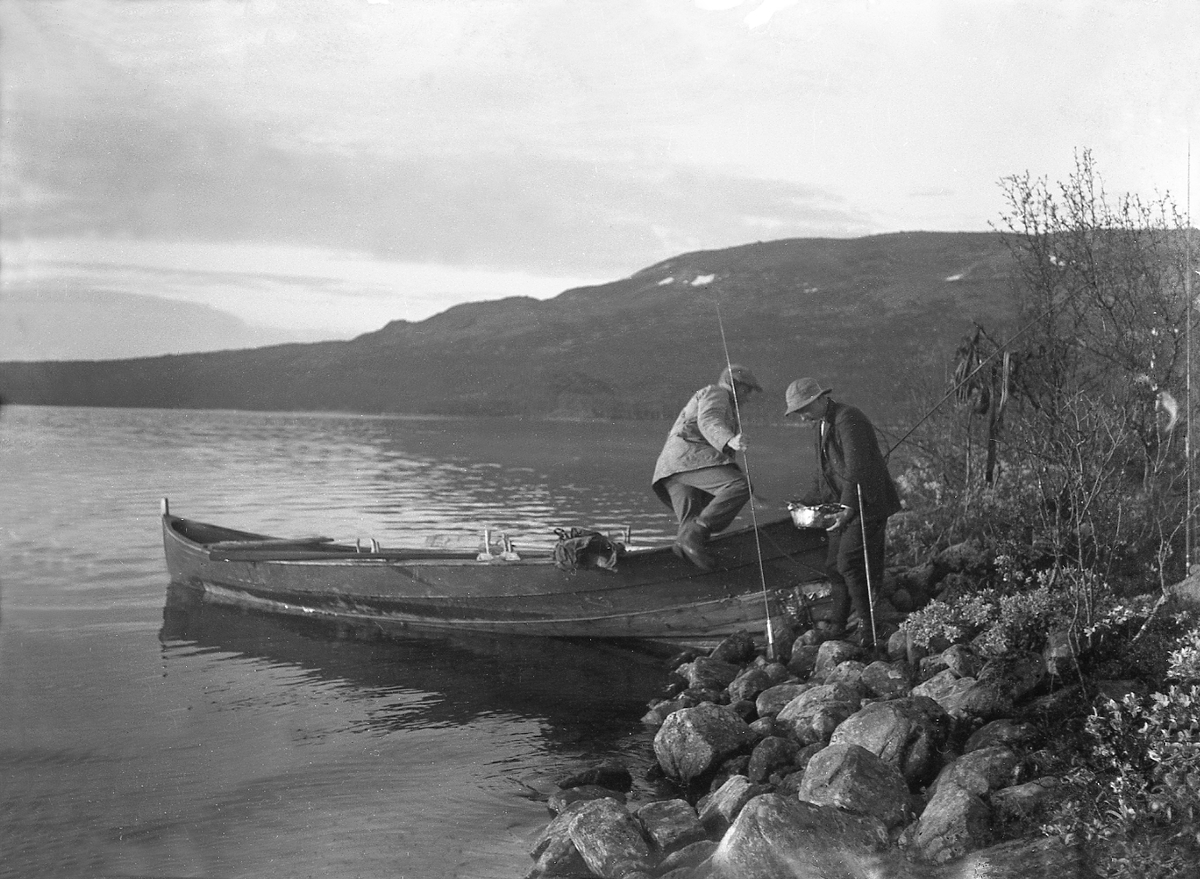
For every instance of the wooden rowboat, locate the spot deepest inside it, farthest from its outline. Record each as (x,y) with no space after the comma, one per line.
(627,592)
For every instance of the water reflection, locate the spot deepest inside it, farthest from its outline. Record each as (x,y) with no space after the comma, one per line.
(579,689)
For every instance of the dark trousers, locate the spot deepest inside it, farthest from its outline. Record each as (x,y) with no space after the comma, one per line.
(711,496)
(846,567)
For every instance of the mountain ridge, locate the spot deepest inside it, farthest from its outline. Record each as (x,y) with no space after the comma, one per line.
(871,316)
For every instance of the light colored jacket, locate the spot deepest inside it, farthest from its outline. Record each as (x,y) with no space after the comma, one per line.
(699,436)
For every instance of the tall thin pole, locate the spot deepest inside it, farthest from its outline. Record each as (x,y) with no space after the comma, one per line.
(1191,307)
(753,515)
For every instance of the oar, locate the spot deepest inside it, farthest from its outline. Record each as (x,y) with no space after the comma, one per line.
(269,543)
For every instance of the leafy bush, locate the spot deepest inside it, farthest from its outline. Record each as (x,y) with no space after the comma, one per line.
(1183,663)
(1134,795)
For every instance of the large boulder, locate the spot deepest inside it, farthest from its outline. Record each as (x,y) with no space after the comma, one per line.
(773,754)
(981,771)
(967,697)
(775,836)
(559,800)
(848,672)
(610,774)
(610,840)
(1004,731)
(686,860)
(1023,800)
(718,810)
(830,655)
(772,700)
(706,673)
(888,680)
(907,733)
(852,778)
(557,829)
(694,741)
(557,858)
(748,684)
(814,715)
(738,648)
(803,660)
(670,825)
(953,823)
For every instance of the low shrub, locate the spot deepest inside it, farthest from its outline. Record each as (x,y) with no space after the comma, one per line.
(1133,797)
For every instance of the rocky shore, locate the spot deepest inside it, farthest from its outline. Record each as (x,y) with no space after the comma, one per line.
(825,761)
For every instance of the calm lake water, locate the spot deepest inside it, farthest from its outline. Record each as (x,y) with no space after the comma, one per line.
(144,737)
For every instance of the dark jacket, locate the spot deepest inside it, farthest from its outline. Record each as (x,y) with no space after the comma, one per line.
(849,456)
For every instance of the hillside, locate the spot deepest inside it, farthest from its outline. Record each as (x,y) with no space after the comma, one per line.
(869,316)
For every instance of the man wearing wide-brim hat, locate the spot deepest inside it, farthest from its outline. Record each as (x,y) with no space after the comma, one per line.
(852,472)
(696,474)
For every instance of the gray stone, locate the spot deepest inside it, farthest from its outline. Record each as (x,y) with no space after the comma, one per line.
(694,741)
(815,722)
(775,836)
(1035,858)
(954,822)
(980,771)
(609,774)
(660,711)
(687,858)
(777,672)
(745,709)
(803,661)
(559,800)
(707,673)
(737,649)
(852,778)
(888,680)
(771,755)
(610,840)
(967,697)
(907,734)
(1004,731)
(557,828)
(670,825)
(962,660)
(966,557)
(748,684)
(832,654)
(718,810)
(932,666)
(764,727)
(848,672)
(559,859)
(1022,800)
(772,700)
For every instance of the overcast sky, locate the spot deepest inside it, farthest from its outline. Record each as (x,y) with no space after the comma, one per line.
(329,165)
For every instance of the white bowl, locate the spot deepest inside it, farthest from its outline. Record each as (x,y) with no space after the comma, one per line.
(819,516)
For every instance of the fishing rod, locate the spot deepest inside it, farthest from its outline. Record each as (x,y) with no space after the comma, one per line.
(737,411)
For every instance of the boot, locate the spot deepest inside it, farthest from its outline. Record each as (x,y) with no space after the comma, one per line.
(690,545)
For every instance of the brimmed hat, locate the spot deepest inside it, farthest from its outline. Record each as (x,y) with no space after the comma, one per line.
(801,392)
(737,373)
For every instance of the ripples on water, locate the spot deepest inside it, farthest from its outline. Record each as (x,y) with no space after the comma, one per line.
(143,736)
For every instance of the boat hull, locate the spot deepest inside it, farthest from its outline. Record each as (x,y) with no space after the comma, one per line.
(650,595)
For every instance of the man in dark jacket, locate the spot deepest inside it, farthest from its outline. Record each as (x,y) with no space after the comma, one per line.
(695,474)
(852,471)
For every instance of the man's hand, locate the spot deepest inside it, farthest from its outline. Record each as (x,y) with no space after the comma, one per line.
(737,444)
(841,519)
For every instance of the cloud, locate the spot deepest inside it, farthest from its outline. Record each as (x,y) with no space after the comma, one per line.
(337,293)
